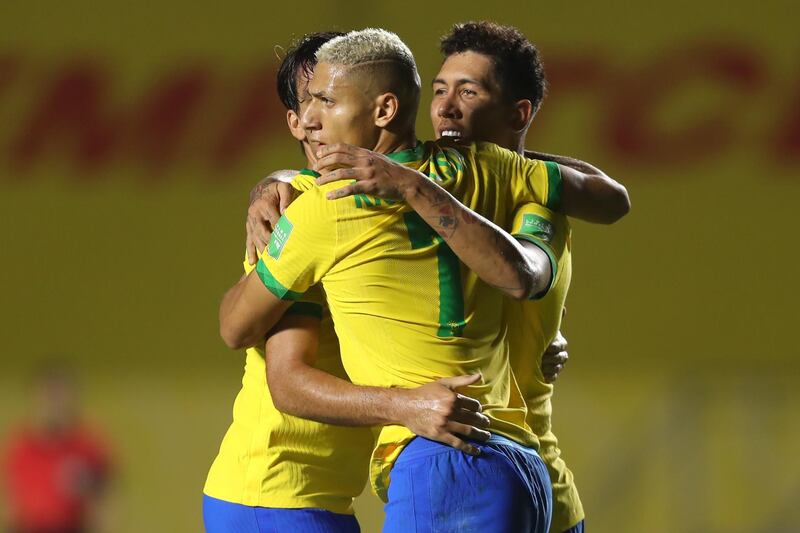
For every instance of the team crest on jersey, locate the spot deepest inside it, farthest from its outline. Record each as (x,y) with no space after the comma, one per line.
(538,227)
(279,237)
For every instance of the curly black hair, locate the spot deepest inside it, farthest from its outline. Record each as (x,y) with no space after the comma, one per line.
(517,64)
(302,57)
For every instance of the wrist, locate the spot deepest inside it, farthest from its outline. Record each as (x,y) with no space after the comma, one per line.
(396,406)
(410,184)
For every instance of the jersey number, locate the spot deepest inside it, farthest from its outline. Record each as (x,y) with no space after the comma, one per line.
(451,297)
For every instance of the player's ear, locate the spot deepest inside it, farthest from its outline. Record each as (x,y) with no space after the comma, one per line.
(387,106)
(521,115)
(293,120)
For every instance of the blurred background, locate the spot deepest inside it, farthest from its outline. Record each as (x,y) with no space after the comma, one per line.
(131,133)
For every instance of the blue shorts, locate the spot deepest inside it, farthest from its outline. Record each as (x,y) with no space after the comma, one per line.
(436,488)
(577,528)
(225,517)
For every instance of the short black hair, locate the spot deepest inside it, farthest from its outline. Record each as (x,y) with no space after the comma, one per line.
(517,63)
(302,57)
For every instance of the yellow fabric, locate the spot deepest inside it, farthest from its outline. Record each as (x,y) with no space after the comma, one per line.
(269,459)
(393,287)
(532,326)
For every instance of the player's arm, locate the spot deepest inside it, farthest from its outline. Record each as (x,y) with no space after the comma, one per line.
(300,251)
(435,410)
(587,193)
(248,311)
(496,257)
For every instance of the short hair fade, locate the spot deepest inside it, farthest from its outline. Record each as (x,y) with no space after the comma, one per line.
(364,46)
(517,63)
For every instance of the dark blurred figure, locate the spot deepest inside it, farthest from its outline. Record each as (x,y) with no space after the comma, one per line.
(55,469)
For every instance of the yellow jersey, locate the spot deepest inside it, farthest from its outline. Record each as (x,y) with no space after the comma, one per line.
(406,311)
(532,326)
(270,459)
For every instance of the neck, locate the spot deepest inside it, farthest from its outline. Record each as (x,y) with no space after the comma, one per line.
(515,142)
(518,144)
(390,142)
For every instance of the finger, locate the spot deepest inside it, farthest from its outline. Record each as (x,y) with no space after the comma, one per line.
(261,237)
(471,418)
(460,381)
(559,344)
(470,404)
(458,444)
(551,374)
(343,174)
(337,148)
(343,192)
(270,211)
(471,432)
(555,358)
(336,160)
(552,367)
(285,196)
(251,250)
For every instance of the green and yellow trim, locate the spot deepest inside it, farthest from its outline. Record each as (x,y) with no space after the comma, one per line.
(409,155)
(274,286)
(553,200)
(309,172)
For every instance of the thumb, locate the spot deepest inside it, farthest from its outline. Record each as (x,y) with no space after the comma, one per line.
(460,381)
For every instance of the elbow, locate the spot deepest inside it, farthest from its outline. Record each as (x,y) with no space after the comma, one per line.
(281,396)
(621,205)
(624,202)
(279,400)
(233,339)
(522,293)
(529,282)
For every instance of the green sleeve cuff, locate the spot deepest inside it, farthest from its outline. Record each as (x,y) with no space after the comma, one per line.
(550,255)
(305,309)
(553,200)
(309,172)
(275,286)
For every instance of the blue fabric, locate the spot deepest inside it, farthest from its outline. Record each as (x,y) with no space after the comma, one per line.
(577,528)
(225,517)
(437,489)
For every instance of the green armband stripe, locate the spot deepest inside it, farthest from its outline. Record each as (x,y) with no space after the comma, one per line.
(273,284)
(309,172)
(550,255)
(305,309)
(553,200)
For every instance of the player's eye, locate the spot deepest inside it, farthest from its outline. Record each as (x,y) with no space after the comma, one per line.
(468,92)
(441,91)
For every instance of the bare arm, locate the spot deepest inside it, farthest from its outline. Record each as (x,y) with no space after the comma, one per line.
(248,310)
(587,192)
(434,411)
(494,255)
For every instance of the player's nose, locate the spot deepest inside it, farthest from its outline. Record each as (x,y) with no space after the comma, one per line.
(446,108)
(310,119)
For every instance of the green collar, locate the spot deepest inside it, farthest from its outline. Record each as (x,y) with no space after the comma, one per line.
(407,156)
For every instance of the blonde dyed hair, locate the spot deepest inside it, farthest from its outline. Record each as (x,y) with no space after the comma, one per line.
(385,57)
(365,46)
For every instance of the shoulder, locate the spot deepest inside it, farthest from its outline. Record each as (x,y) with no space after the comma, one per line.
(304,179)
